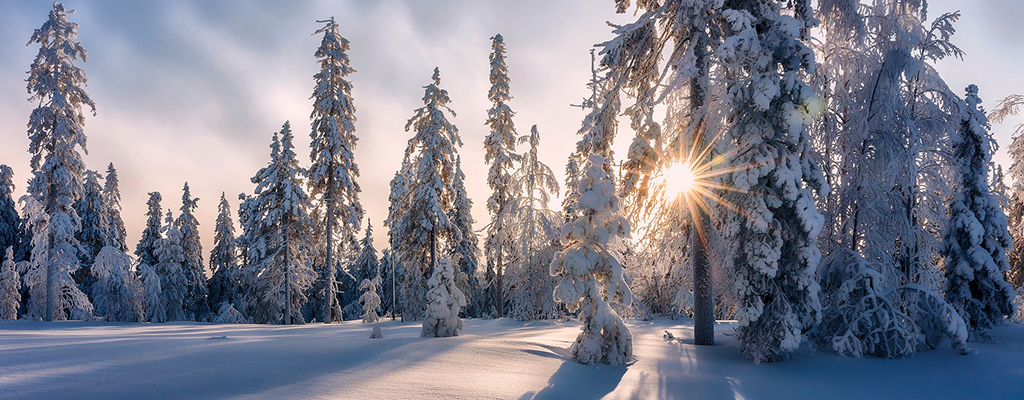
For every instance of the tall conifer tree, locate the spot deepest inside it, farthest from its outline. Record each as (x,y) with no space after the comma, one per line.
(56,136)
(333,173)
(499,147)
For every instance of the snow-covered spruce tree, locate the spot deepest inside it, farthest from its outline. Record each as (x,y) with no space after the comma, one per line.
(223,286)
(10,222)
(117,295)
(499,147)
(367,265)
(152,294)
(465,249)
(444,299)
(370,299)
(279,238)
(422,221)
(10,286)
(534,226)
(773,242)
(55,131)
(589,274)
(976,238)
(333,173)
(145,249)
(92,210)
(112,198)
(192,266)
(173,280)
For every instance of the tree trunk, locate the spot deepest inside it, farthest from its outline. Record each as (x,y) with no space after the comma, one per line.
(50,272)
(287,281)
(329,279)
(703,296)
(703,293)
(394,308)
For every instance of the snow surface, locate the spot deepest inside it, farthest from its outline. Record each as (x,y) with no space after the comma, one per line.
(490,359)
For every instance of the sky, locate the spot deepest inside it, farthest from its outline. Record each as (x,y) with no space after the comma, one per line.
(192,90)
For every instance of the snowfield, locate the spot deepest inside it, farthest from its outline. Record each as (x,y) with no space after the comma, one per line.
(502,359)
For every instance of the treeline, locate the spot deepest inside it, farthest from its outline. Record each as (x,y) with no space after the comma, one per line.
(841,195)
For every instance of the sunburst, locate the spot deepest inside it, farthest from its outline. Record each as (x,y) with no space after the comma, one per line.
(689,184)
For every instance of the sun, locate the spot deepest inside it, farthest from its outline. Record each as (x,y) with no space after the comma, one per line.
(679,179)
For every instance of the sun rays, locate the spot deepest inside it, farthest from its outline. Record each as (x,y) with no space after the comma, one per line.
(689,183)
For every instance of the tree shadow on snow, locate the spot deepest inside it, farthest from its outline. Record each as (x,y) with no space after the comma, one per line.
(578,381)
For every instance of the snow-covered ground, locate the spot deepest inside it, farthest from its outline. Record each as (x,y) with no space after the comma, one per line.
(491,359)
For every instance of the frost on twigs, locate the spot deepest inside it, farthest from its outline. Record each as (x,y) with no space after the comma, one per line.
(589,275)
(444,302)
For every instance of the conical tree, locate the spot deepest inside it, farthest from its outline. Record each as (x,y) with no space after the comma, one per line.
(976,238)
(425,222)
(144,250)
(465,248)
(112,196)
(10,222)
(589,274)
(333,173)
(280,240)
(92,237)
(499,147)
(224,284)
(55,131)
(10,286)
(192,265)
(367,265)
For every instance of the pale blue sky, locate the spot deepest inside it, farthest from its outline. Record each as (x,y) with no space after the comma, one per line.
(192,90)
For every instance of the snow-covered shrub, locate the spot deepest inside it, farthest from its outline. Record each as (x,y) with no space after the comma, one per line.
(862,316)
(116,294)
(589,275)
(444,301)
(227,314)
(10,287)
(370,300)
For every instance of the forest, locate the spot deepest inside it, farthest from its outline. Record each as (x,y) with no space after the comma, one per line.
(799,167)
